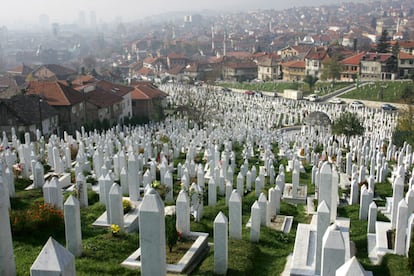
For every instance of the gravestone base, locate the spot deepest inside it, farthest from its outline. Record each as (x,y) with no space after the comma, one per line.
(195,254)
(387,209)
(279,223)
(301,196)
(64,180)
(378,242)
(131,219)
(303,260)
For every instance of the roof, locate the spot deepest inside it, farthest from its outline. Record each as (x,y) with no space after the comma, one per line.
(59,70)
(176,56)
(239,55)
(268,60)
(145,71)
(317,53)
(22,69)
(353,60)
(118,89)
(406,44)
(380,57)
(405,56)
(29,109)
(102,98)
(55,93)
(294,64)
(84,79)
(241,65)
(176,70)
(147,91)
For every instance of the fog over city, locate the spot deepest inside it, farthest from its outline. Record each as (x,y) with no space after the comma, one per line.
(21,12)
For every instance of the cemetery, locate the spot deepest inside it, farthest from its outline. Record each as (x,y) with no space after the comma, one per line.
(252,185)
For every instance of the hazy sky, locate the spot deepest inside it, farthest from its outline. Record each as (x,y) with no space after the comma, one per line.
(67,11)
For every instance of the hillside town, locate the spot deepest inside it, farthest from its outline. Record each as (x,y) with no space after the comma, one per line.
(110,71)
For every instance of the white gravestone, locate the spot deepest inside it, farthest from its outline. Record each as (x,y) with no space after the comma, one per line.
(401,228)
(7,265)
(235,215)
(255,222)
(152,235)
(220,244)
(53,260)
(333,251)
(73,226)
(183,213)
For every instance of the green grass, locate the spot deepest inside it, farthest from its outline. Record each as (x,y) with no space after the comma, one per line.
(389,91)
(320,88)
(103,253)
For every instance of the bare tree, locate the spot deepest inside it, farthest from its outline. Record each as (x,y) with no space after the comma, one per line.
(198,104)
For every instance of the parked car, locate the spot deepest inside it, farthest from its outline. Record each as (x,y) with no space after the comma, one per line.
(249,92)
(313,98)
(226,89)
(356,104)
(336,101)
(389,107)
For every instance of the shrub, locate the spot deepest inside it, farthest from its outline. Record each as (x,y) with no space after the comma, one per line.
(93,197)
(37,217)
(411,255)
(127,206)
(171,231)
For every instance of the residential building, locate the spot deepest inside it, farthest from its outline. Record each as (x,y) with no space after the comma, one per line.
(125,92)
(293,70)
(102,106)
(240,71)
(351,67)
(147,101)
(314,61)
(174,59)
(28,113)
(405,65)
(268,68)
(378,66)
(52,72)
(69,103)
(10,86)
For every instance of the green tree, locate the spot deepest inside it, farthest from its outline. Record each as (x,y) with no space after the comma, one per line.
(404,131)
(383,42)
(348,124)
(171,233)
(310,81)
(332,69)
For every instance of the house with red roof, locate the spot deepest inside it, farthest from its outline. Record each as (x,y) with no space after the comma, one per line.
(27,113)
(351,67)
(125,92)
(69,103)
(405,65)
(52,72)
(293,70)
(268,68)
(147,101)
(378,66)
(314,60)
(240,71)
(102,106)
(20,70)
(174,60)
